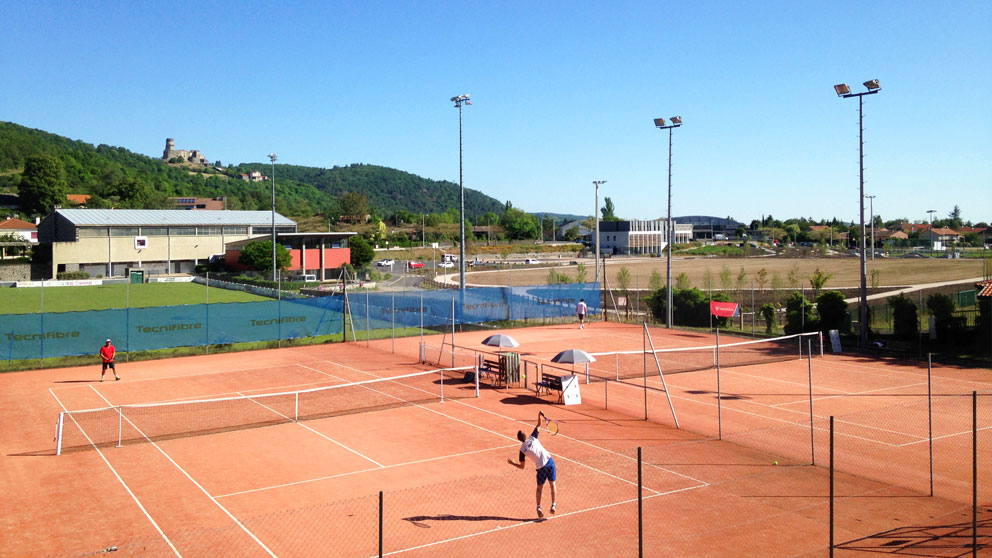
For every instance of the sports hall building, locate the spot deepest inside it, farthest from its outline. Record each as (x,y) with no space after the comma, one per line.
(107,242)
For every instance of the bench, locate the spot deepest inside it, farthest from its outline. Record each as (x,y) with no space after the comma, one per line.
(549,383)
(491,368)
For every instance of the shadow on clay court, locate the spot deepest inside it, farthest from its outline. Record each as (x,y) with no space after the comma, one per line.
(522,399)
(950,539)
(419,520)
(97,381)
(725,396)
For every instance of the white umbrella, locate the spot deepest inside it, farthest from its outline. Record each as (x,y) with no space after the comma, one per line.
(575,356)
(500,340)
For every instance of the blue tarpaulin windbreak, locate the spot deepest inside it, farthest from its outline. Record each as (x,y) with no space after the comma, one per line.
(32,336)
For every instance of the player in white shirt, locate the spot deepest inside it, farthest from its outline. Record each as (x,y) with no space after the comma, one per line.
(581,310)
(546,471)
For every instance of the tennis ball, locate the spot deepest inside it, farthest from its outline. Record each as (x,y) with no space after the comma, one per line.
(775,463)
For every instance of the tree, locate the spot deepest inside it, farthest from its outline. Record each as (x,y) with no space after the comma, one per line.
(947,325)
(656,282)
(361,251)
(623,281)
(726,276)
(43,184)
(762,278)
(608,210)
(833,312)
(353,206)
(258,256)
(682,281)
(520,225)
(580,273)
(817,280)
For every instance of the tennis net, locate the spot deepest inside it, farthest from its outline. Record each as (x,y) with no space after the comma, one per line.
(630,364)
(158,421)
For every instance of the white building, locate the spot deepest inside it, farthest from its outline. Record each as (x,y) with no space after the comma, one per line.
(640,237)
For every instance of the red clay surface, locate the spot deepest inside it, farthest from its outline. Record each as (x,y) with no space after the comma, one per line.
(311,488)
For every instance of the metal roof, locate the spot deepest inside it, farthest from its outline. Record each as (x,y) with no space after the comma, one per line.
(175,217)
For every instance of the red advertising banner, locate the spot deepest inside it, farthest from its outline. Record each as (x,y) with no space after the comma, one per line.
(724,309)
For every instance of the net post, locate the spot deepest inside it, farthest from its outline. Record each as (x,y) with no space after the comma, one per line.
(644,366)
(831,486)
(640,506)
(476,381)
(380,524)
(421,317)
(120,425)
(930,417)
(812,440)
(442,385)
(587,373)
(719,396)
(821,344)
(58,433)
(296,405)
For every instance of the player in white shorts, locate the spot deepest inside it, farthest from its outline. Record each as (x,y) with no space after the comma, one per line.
(546,471)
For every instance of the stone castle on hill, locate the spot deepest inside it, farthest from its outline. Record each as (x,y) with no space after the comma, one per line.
(194,156)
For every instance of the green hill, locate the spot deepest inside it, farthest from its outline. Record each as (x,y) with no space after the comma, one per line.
(117,177)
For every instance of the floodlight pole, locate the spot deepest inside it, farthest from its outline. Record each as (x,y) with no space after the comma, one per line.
(595,216)
(871,220)
(459,100)
(931,212)
(273,158)
(845,92)
(660,124)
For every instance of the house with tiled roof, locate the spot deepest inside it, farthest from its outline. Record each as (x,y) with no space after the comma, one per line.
(910,228)
(939,237)
(23,229)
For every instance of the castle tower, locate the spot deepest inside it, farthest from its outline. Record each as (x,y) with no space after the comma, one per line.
(170,145)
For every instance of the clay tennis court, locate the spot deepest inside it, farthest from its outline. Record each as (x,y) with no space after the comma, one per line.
(312,487)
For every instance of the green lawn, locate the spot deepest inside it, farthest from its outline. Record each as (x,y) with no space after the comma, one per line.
(70,299)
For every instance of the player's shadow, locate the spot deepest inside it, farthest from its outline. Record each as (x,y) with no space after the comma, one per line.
(522,399)
(419,520)
(950,539)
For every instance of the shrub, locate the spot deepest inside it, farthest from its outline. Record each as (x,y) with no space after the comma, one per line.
(947,325)
(832,309)
(767,312)
(906,324)
(68,275)
(799,315)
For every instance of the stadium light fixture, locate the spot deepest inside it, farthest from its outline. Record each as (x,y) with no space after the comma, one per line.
(660,124)
(596,217)
(844,91)
(272,159)
(459,100)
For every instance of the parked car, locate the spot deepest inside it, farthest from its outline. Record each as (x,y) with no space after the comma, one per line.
(386,263)
(305,278)
(446,264)
(532,261)
(415,265)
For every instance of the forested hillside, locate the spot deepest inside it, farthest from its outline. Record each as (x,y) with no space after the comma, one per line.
(117,177)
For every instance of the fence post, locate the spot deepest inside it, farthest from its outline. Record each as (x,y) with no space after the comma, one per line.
(974,473)
(930,416)
(719,398)
(380,524)
(640,507)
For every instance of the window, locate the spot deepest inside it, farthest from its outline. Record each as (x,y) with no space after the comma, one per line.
(123,231)
(91,231)
(155,231)
(209,231)
(182,231)
(236,230)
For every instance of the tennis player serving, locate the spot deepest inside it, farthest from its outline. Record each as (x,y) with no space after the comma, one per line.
(542,460)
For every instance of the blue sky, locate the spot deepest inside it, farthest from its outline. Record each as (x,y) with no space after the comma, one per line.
(564,93)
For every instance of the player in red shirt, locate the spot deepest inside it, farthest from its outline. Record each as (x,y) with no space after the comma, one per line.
(107,353)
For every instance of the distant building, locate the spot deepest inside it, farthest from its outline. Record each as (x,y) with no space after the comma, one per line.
(640,237)
(253,176)
(105,242)
(705,227)
(22,229)
(194,157)
(200,203)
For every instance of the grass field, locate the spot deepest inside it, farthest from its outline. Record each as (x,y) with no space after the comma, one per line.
(844,271)
(103,297)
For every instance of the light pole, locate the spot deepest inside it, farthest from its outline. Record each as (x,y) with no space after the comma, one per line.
(273,158)
(871,220)
(844,91)
(931,212)
(423,230)
(595,216)
(660,124)
(459,100)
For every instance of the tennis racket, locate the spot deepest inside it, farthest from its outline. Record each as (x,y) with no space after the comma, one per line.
(551,426)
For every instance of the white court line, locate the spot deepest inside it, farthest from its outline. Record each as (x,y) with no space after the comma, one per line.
(339,475)
(854,394)
(907,370)
(119,479)
(321,434)
(192,480)
(547,518)
(961,433)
